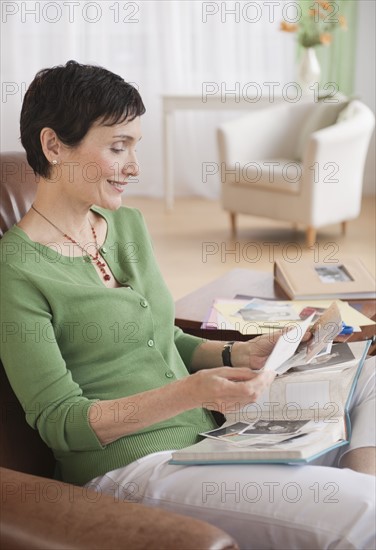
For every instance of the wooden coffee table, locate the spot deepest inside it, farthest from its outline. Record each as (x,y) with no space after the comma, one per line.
(191,311)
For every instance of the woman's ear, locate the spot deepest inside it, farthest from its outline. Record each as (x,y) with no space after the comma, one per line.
(51,145)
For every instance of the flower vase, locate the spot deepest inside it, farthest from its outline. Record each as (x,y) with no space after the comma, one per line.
(309,70)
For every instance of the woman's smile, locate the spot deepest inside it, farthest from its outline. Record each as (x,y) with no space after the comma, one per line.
(117,185)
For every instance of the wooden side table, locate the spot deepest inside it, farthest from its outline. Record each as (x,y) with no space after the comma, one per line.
(191,311)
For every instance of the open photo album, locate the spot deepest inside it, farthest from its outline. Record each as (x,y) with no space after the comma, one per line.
(302,415)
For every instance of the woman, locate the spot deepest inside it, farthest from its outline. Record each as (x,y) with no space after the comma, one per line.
(98,365)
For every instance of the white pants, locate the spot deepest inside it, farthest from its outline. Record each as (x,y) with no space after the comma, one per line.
(266,506)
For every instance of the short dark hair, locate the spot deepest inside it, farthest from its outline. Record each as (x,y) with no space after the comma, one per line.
(69,99)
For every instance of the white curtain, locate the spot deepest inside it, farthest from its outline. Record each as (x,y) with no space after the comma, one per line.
(162,47)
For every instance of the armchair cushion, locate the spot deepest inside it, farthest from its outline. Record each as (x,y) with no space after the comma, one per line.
(324,115)
(18,188)
(275,175)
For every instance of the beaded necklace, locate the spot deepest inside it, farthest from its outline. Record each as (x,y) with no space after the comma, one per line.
(95,259)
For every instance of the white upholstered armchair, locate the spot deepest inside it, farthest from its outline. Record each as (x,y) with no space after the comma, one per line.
(301,163)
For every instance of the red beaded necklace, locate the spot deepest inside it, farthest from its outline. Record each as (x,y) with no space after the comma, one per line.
(95,259)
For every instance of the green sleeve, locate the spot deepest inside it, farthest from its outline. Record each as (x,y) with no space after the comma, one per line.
(52,401)
(186,345)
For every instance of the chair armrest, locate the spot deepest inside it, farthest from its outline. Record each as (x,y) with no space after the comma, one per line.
(352,134)
(347,132)
(345,144)
(40,513)
(333,166)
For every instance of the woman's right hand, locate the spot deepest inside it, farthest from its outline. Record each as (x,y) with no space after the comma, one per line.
(224,388)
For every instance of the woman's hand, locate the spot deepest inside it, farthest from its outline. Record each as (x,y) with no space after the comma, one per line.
(224,388)
(254,353)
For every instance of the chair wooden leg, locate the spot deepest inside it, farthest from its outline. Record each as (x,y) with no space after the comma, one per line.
(310,236)
(233,223)
(343,228)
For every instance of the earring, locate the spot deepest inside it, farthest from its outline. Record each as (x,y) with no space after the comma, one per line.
(54,162)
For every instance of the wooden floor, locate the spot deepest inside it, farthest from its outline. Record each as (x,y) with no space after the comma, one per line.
(193,244)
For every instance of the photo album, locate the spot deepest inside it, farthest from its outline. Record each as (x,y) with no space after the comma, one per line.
(348,279)
(303,414)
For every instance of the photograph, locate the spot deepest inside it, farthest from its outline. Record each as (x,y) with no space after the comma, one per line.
(228,431)
(276,427)
(307,311)
(268,310)
(333,274)
(339,353)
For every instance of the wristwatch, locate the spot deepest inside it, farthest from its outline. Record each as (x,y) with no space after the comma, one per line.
(226,354)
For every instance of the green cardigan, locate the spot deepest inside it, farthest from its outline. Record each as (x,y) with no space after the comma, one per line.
(69,341)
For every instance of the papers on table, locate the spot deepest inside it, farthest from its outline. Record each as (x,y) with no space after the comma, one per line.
(225,314)
(258,316)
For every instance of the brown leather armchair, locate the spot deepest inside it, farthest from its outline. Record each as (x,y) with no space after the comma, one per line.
(38,512)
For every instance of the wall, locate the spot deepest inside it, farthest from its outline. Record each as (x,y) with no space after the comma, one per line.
(148,65)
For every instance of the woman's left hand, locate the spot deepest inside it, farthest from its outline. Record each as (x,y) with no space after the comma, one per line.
(254,353)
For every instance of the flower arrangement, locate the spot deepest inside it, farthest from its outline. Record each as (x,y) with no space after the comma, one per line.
(316,26)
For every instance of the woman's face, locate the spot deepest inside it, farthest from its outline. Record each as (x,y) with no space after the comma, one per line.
(97,170)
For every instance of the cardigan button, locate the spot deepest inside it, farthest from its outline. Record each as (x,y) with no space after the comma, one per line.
(144,303)
(169,374)
(103,250)
(150,343)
